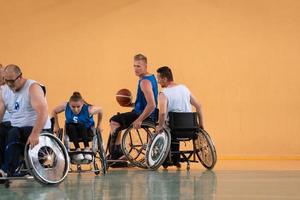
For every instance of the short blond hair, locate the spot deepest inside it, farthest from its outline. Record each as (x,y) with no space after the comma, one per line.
(140,57)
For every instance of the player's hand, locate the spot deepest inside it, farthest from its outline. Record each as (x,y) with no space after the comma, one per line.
(33,140)
(137,124)
(55,130)
(158,129)
(201,126)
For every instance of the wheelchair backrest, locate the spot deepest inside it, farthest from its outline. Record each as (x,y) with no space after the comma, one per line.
(183,124)
(183,120)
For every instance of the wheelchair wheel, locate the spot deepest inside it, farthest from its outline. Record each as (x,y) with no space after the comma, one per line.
(134,143)
(48,161)
(158,149)
(100,150)
(205,149)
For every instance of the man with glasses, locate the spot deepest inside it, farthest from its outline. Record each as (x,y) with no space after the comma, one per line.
(25,102)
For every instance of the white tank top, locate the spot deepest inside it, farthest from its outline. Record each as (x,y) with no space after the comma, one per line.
(19,106)
(179,98)
(6,114)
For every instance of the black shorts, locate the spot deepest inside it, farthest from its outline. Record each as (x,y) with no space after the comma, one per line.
(125,119)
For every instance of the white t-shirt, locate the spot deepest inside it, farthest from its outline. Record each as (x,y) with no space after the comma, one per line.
(179,98)
(6,114)
(19,106)
(6,117)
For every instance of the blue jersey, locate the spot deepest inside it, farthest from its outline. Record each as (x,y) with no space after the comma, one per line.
(83,116)
(140,102)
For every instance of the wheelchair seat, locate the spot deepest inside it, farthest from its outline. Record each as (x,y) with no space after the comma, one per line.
(181,127)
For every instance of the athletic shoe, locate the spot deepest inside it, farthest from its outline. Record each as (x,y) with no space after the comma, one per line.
(88,156)
(78,156)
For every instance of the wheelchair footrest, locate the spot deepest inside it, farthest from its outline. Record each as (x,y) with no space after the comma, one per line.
(82,152)
(20,174)
(84,161)
(26,177)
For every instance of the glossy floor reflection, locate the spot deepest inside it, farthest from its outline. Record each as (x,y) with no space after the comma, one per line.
(166,184)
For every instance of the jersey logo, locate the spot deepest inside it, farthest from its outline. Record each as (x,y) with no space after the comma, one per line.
(75,119)
(17,105)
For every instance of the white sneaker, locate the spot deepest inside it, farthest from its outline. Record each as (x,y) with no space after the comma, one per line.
(78,157)
(88,156)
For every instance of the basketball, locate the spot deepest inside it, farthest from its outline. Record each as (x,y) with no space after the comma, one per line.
(123,97)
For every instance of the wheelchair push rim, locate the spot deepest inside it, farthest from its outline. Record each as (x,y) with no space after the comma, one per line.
(205,149)
(158,149)
(48,161)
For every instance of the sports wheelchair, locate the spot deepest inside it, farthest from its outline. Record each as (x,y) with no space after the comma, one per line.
(97,152)
(47,162)
(134,144)
(181,127)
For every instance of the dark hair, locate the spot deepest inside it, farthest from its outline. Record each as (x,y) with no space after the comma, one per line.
(165,72)
(76,96)
(140,57)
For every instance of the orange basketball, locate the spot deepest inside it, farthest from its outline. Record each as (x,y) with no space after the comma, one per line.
(123,97)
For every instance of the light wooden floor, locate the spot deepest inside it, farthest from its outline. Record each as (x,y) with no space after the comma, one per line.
(229,180)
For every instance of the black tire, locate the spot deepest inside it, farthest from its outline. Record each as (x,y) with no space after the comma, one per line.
(101,153)
(205,149)
(60,134)
(96,168)
(136,153)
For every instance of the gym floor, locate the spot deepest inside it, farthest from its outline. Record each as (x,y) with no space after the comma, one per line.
(229,180)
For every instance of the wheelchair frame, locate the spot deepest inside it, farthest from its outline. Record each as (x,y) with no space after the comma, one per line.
(179,125)
(97,152)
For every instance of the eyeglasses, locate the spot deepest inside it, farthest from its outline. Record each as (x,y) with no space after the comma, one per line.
(12,82)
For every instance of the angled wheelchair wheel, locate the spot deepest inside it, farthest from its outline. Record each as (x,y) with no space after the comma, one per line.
(98,149)
(134,143)
(48,161)
(205,149)
(158,149)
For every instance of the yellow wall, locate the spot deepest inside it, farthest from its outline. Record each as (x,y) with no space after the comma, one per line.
(240,58)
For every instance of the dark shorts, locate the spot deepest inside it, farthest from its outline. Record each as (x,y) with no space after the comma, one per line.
(77,129)
(125,119)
